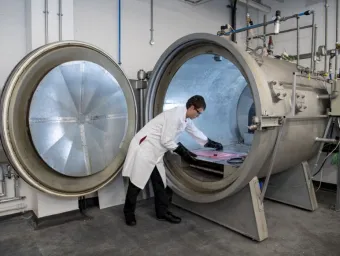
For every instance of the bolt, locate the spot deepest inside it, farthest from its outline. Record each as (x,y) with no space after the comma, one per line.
(305,107)
(278,94)
(302,96)
(284,94)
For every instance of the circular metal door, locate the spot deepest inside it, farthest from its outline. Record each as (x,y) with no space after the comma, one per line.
(68,116)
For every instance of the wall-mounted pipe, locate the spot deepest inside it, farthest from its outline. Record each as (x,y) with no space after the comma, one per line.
(315,42)
(3,183)
(312,44)
(233,20)
(60,14)
(326,35)
(46,21)
(17,196)
(298,41)
(152,41)
(337,41)
(119,32)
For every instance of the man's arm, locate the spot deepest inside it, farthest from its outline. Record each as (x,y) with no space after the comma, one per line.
(196,133)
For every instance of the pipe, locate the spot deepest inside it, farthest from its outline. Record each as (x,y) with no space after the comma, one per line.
(14,207)
(325,140)
(337,41)
(281,32)
(292,113)
(46,21)
(3,183)
(119,33)
(326,35)
(233,20)
(263,24)
(315,41)
(312,43)
(60,14)
(264,30)
(152,41)
(297,43)
(16,188)
(247,13)
(331,96)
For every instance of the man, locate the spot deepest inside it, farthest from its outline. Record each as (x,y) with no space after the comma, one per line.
(144,159)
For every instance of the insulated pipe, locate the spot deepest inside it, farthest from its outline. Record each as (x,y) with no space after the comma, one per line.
(60,14)
(46,21)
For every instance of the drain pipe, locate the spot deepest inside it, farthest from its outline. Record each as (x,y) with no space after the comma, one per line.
(119,32)
(46,21)
(60,14)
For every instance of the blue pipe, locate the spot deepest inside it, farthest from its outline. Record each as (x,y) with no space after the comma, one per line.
(119,33)
(267,23)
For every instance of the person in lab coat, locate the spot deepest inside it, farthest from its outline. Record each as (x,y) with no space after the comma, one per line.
(144,159)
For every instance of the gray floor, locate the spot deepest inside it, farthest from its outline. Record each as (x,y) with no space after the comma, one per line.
(291,232)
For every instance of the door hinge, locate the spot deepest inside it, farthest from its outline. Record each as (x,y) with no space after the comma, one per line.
(263,122)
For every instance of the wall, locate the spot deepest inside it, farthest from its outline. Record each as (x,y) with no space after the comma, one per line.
(96,22)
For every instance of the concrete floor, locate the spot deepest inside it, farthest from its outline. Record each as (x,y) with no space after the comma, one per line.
(291,232)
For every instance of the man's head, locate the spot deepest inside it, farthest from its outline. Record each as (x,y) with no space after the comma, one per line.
(195,106)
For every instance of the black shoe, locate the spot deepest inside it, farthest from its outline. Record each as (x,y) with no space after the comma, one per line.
(170,217)
(130,220)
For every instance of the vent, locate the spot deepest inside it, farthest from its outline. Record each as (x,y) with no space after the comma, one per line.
(195,2)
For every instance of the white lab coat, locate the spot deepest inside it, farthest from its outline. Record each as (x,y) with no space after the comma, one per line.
(160,135)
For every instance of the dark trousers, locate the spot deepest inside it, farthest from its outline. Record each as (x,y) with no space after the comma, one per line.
(162,196)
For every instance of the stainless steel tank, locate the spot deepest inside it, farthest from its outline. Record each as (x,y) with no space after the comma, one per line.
(232,81)
(68,113)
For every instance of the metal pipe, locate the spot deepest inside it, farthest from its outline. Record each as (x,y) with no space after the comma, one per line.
(292,113)
(46,21)
(233,20)
(16,187)
(337,41)
(322,144)
(326,35)
(312,43)
(119,33)
(315,41)
(262,24)
(264,30)
(152,41)
(297,43)
(3,183)
(281,32)
(247,40)
(60,14)
(325,140)
(11,199)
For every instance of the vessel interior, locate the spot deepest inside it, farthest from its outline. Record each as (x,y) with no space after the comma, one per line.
(229,111)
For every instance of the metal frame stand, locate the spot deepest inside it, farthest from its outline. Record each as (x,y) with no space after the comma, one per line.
(293,187)
(242,212)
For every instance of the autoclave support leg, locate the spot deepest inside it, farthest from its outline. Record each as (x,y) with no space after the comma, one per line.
(242,212)
(293,187)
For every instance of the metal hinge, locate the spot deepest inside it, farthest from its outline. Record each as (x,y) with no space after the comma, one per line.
(262,122)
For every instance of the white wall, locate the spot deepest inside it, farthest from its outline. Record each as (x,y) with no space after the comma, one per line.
(96,22)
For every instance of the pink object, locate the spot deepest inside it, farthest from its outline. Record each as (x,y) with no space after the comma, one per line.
(217,154)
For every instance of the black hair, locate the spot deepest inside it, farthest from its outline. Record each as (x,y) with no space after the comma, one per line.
(197,101)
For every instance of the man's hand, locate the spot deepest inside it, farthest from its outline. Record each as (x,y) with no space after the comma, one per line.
(213,144)
(185,153)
